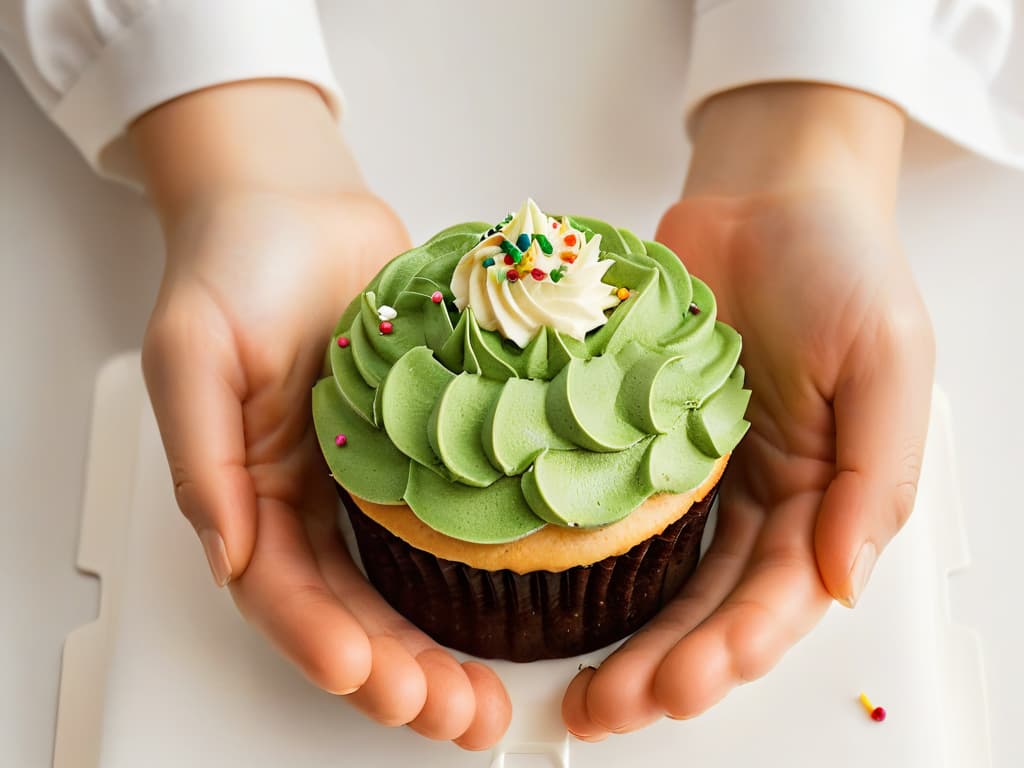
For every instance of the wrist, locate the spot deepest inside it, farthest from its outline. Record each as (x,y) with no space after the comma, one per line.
(247,137)
(786,137)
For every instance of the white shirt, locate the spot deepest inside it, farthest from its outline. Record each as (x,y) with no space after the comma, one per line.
(96,65)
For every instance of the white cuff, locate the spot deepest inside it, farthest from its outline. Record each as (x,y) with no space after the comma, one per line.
(871,45)
(183,46)
(897,50)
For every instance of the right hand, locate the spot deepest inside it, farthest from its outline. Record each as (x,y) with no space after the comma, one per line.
(270,233)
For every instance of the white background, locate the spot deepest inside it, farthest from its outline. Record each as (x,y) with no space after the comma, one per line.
(450,127)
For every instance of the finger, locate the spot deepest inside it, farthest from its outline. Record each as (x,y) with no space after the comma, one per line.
(284,594)
(447,705)
(778,601)
(190,373)
(396,690)
(620,696)
(493,711)
(881,410)
(450,704)
(574,709)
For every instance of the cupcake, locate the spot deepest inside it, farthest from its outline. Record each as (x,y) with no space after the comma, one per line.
(527,423)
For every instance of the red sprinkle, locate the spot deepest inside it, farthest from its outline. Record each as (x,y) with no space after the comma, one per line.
(343,341)
(509,260)
(386,327)
(569,239)
(538,274)
(878,714)
(554,225)
(694,309)
(512,275)
(437,297)
(341,441)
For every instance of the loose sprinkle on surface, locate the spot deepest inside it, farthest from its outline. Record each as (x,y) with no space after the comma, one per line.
(437,297)
(622,293)
(876,713)
(386,327)
(343,341)
(694,309)
(341,441)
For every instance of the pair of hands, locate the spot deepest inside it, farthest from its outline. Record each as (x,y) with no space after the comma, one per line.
(787,215)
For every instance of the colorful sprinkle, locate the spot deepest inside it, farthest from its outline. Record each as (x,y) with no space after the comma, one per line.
(523,241)
(622,293)
(509,260)
(488,262)
(567,256)
(554,224)
(694,309)
(384,312)
(386,327)
(512,275)
(506,220)
(343,341)
(340,440)
(510,248)
(538,274)
(545,244)
(556,274)
(437,297)
(569,239)
(877,713)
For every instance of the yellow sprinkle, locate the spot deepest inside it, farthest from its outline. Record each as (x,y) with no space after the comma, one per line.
(866,703)
(622,293)
(567,256)
(564,226)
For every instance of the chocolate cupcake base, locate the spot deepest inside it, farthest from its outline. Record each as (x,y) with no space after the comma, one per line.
(537,615)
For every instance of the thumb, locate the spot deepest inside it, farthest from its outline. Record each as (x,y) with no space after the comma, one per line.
(881,406)
(196,388)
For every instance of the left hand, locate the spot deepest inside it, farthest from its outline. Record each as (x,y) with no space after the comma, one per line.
(792,229)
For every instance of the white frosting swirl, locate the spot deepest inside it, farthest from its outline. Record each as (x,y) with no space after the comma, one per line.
(573,303)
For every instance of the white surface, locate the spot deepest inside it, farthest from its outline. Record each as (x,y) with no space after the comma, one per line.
(80,260)
(169,656)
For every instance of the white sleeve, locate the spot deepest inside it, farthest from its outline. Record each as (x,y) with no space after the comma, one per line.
(96,65)
(948,64)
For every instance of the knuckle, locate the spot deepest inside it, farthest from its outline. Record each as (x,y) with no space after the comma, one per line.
(905,492)
(903,503)
(912,331)
(745,642)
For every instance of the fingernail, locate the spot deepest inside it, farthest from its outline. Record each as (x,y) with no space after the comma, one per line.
(216,556)
(861,572)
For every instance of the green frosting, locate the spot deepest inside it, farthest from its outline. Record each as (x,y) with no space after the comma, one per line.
(487,442)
